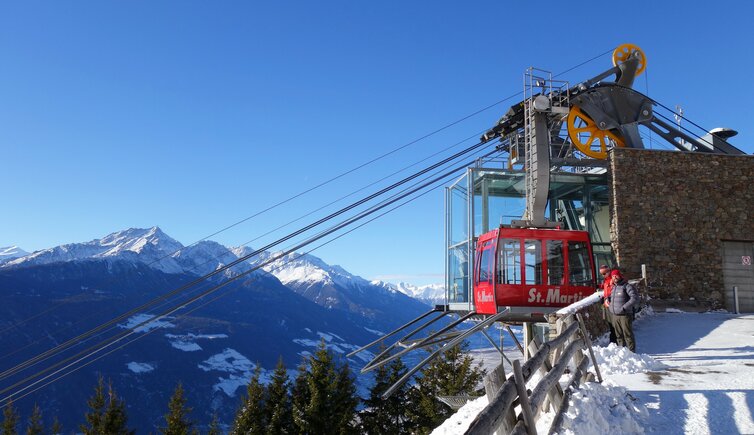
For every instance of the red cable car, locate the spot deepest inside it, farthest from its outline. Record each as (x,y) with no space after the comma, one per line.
(528,267)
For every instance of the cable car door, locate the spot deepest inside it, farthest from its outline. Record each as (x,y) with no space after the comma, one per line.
(484,276)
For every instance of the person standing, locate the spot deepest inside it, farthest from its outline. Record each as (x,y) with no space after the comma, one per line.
(606,287)
(623,298)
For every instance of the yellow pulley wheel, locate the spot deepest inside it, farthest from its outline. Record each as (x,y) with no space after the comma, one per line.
(588,138)
(622,53)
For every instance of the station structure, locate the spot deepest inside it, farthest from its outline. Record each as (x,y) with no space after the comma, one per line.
(579,181)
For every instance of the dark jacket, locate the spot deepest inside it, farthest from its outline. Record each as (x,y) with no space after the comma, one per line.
(623,298)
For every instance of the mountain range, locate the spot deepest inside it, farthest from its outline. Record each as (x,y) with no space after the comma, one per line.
(282,310)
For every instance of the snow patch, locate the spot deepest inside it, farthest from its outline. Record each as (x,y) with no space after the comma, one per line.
(374,331)
(186,342)
(186,346)
(581,304)
(615,359)
(328,337)
(461,420)
(334,344)
(601,409)
(238,367)
(138,319)
(138,367)
(229,360)
(230,384)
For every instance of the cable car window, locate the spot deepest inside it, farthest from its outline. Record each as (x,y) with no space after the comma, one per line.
(555,263)
(579,266)
(486,262)
(509,262)
(533,261)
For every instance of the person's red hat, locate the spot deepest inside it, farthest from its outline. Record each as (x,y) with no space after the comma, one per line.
(616,272)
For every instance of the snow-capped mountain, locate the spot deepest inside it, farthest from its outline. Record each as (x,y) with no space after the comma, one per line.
(150,246)
(303,270)
(206,257)
(328,285)
(334,288)
(432,294)
(290,306)
(146,246)
(10,253)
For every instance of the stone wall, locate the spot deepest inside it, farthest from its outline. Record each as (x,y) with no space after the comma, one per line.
(670,211)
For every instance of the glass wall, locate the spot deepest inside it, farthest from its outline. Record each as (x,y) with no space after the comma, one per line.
(457,280)
(577,201)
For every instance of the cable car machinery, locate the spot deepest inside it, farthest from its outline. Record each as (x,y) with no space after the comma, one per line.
(554,128)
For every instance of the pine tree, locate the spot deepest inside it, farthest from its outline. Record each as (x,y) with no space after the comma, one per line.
(387,416)
(57,428)
(300,398)
(250,416)
(317,381)
(10,420)
(115,419)
(323,396)
(461,375)
(278,409)
(452,374)
(95,417)
(214,426)
(177,419)
(35,426)
(345,401)
(107,413)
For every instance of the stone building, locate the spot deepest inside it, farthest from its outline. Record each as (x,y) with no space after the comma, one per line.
(689,218)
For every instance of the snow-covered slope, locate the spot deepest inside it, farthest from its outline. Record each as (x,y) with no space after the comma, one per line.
(334,288)
(10,253)
(206,257)
(306,269)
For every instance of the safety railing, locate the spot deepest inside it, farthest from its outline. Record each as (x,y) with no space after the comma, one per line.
(514,409)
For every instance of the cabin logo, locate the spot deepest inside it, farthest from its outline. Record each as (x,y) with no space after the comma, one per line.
(553,297)
(485,296)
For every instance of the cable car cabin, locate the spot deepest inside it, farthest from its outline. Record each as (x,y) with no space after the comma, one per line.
(526,267)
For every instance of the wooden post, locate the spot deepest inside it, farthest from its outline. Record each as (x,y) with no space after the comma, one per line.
(557,422)
(498,415)
(528,334)
(588,343)
(493,381)
(523,398)
(561,325)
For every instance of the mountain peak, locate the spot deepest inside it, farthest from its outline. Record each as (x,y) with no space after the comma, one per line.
(138,239)
(307,268)
(149,245)
(11,252)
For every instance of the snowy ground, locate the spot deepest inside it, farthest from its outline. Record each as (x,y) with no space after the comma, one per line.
(693,374)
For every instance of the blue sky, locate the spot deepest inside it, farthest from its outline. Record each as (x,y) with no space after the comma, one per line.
(195,115)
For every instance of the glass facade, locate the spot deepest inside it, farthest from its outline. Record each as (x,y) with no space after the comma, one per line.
(483,199)
(457,283)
